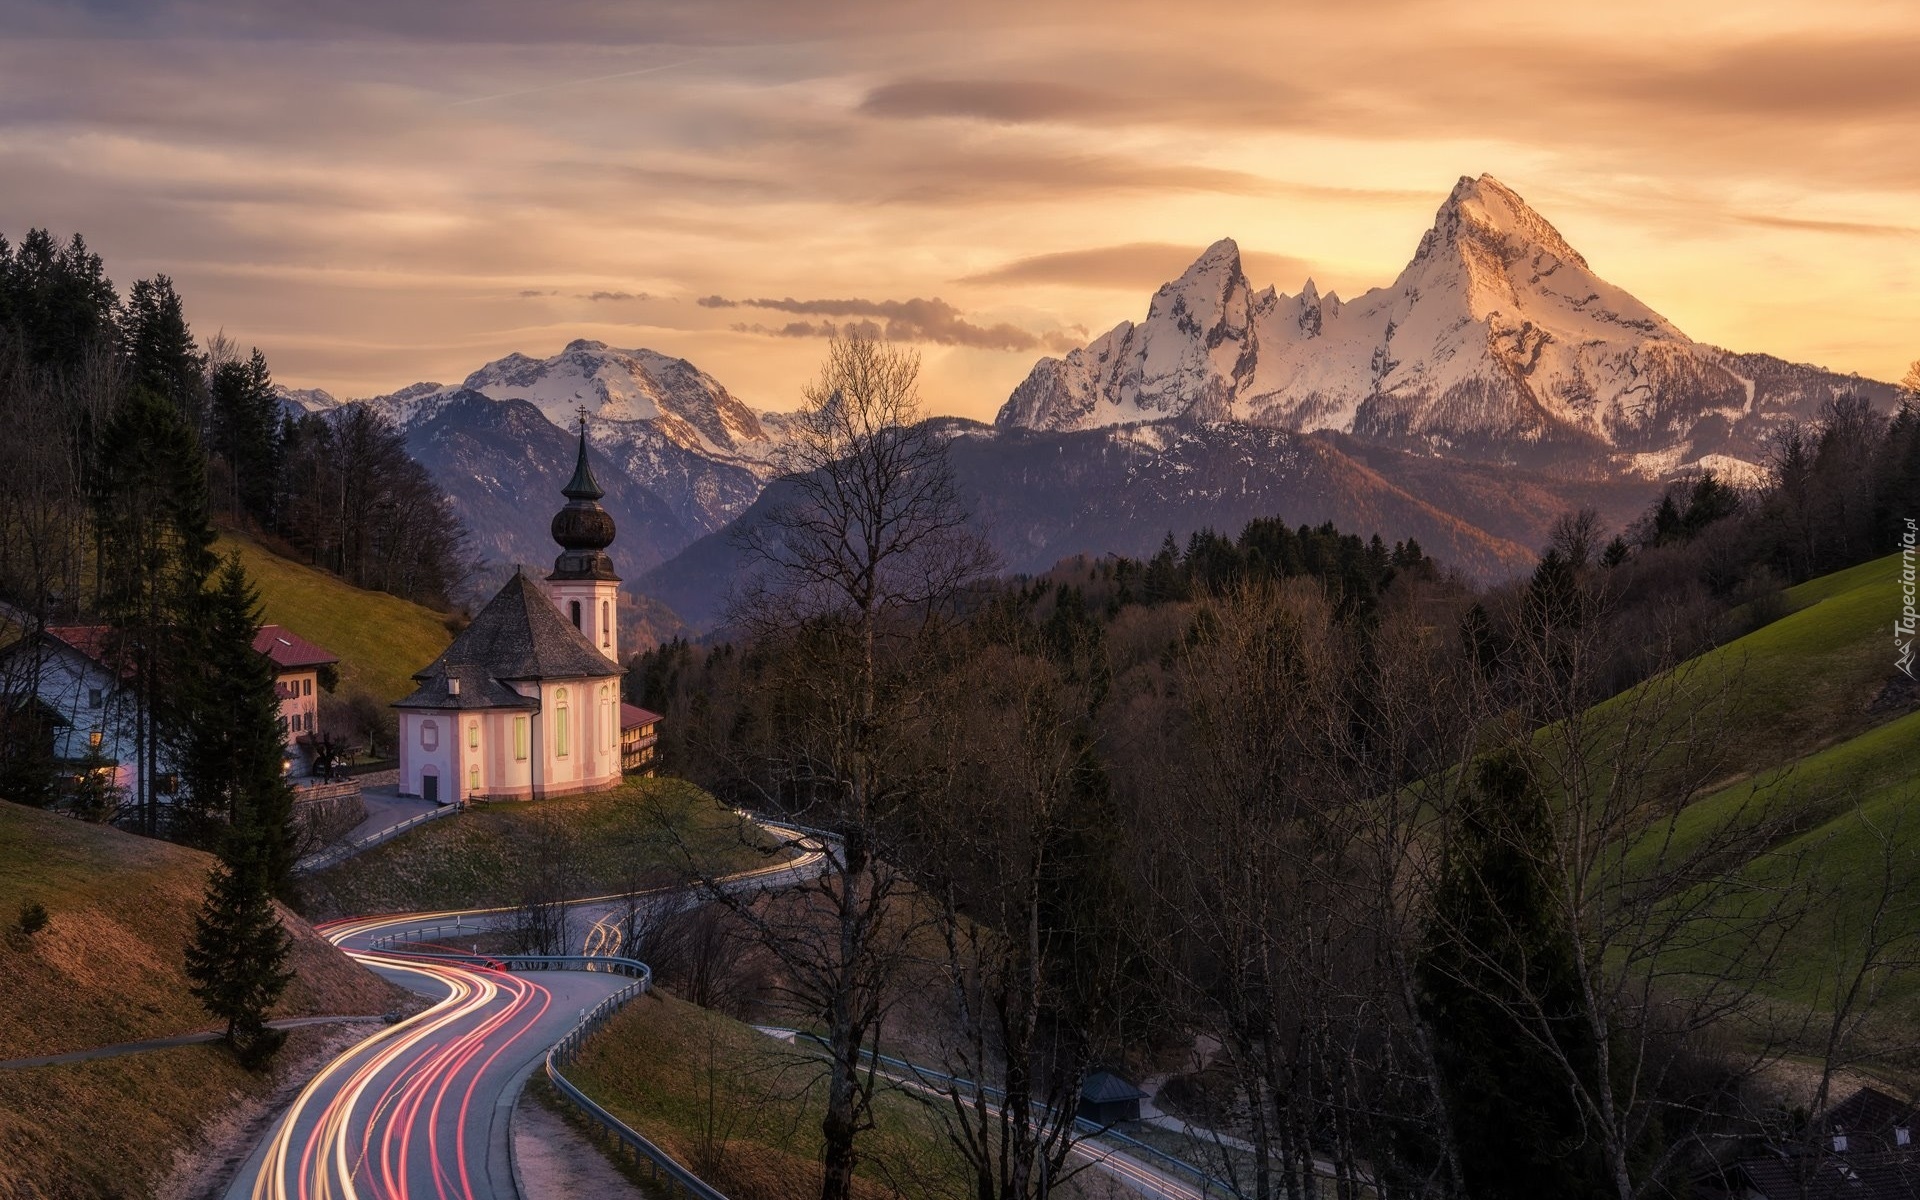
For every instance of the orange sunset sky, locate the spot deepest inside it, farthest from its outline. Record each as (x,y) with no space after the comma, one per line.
(376,192)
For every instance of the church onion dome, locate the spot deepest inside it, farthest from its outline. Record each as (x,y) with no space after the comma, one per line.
(583,529)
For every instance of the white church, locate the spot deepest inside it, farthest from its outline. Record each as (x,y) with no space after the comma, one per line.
(526,701)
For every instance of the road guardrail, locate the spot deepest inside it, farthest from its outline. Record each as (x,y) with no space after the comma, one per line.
(333,855)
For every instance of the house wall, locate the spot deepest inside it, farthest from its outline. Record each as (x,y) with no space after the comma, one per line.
(299,701)
(92,703)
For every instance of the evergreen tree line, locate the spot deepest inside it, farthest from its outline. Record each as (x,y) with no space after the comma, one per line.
(106,514)
(338,486)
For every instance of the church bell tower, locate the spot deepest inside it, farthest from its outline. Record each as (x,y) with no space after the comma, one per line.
(583,584)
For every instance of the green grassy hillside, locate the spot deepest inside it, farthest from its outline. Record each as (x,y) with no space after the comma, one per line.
(1805,720)
(743,1110)
(381,640)
(107,968)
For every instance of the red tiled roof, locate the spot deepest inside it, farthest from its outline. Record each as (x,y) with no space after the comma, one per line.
(632,715)
(90,640)
(288,649)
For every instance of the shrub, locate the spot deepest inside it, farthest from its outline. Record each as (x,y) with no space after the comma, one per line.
(33,917)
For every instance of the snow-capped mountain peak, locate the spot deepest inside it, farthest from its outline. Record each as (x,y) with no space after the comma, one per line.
(1496,340)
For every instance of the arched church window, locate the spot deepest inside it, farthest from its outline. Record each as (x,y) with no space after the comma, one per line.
(606,717)
(473,735)
(560,730)
(574,606)
(606,624)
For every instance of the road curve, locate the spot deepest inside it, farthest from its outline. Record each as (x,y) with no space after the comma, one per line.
(419,1110)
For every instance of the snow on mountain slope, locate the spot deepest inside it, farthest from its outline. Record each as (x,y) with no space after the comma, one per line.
(619,387)
(1496,341)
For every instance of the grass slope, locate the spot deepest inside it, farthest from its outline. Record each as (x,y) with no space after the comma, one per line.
(611,841)
(109,968)
(743,1111)
(381,640)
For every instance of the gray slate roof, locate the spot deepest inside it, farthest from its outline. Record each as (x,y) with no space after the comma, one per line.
(518,636)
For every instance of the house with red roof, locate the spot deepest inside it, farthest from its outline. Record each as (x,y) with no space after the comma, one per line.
(71,671)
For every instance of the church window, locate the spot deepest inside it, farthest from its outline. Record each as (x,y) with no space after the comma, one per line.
(473,781)
(606,718)
(606,624)
(560,730)
(429,735)
(520,739)
(574,605)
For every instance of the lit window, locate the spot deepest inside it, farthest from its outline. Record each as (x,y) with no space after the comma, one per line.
(560,723)
(93,739)
(473,779)
(520,738)
(473,735)
(606,718)
(429,735)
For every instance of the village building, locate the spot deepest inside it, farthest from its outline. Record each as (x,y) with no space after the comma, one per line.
(526,701)
(94,713)
(638,737)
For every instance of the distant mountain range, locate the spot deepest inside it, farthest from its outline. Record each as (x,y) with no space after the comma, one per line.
(1495,383)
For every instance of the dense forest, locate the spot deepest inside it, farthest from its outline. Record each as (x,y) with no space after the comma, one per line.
(129,443)
(1417,859)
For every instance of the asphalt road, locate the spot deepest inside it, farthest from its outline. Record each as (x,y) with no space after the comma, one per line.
(419,1111)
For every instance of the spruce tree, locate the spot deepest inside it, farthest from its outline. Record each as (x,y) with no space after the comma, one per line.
(231,759)
(160,350)
(153,553)
(232,766)
(237,958)
(1498,988)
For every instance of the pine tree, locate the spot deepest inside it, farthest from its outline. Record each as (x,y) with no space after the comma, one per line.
(237,958)
(232,764)
(160,350)
(154,553)
(246,420)
(1498,988)
(232,754)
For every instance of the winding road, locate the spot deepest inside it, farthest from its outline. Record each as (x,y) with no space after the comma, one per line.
(421,1109)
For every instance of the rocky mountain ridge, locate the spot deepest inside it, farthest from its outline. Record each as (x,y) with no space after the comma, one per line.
(1496,342)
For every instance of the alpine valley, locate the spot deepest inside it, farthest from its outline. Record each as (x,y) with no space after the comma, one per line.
(1497,382)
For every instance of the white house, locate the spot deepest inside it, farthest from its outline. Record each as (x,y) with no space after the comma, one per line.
(96,717)
(526,701)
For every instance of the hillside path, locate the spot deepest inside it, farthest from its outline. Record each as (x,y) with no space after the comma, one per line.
(166,1043)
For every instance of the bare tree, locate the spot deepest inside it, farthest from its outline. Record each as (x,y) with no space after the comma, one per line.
(868,551)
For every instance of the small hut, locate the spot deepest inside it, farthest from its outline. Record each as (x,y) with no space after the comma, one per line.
(1107,1099)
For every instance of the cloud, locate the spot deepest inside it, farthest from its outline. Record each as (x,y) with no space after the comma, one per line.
(914,320)
(530,293)
(612,296)
(1134,266)
(1009,101)
(1854,228)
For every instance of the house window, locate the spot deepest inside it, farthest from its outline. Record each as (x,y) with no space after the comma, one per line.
(306,687)
(473,735)
(560,723)
(520,739)
(574,605)
(95,698)
(429,735)
(93,739)
(606,624)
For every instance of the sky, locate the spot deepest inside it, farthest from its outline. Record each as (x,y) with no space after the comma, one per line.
(376,192)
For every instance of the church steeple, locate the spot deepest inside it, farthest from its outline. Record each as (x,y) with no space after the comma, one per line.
(583,585)
(583,529)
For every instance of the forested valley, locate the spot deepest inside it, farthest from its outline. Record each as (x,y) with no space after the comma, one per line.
(1423,889)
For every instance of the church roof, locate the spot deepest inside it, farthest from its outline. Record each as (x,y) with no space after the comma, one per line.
(519,635)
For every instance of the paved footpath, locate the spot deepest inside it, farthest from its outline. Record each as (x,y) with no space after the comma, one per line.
(165,1043)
